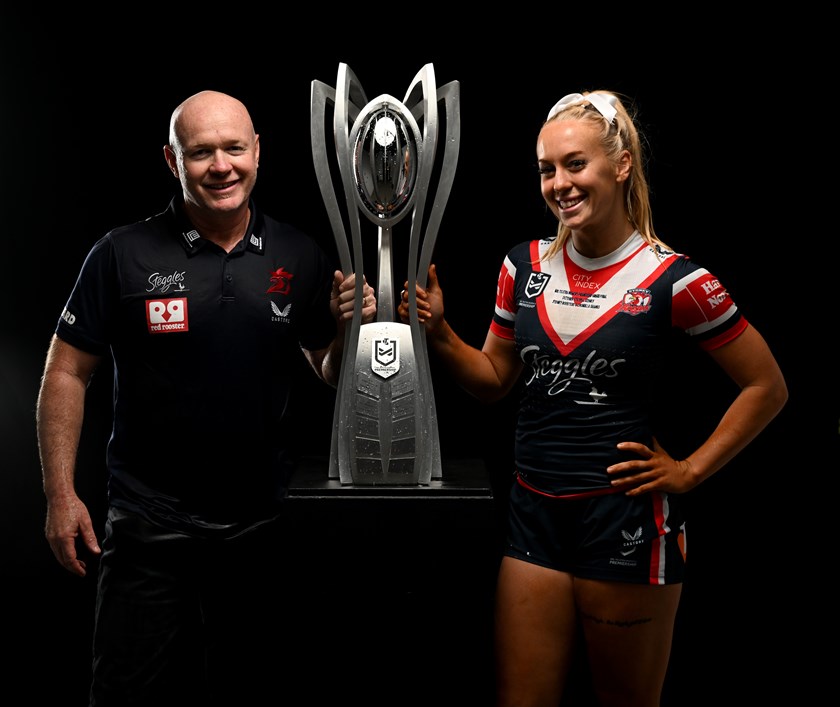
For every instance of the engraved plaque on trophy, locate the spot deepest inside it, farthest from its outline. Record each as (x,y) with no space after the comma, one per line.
(389,166)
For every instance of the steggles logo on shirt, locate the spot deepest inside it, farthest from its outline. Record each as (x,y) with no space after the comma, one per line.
(164,283)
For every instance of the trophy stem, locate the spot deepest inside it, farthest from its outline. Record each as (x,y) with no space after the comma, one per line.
(385,305)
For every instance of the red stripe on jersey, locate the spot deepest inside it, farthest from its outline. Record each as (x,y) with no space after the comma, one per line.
(505,301)
(504,288)
(657,547)
(724,338)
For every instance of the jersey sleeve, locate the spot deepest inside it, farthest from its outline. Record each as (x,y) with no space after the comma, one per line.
(504,315)
(705,311)
(85,321)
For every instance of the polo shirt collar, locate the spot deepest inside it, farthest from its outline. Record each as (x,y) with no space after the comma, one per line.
(192,241)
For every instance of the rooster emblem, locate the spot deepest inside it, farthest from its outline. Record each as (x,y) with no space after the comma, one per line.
(280,281)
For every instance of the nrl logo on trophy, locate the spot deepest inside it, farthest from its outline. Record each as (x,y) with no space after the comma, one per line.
(387,158)
(386,356)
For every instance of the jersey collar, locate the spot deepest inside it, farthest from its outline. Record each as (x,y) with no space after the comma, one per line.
(192,241)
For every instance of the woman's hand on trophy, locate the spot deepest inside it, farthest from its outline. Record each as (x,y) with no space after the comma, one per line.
(429,303)
(343,299)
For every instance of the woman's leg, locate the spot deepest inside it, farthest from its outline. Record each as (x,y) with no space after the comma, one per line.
(628,630)
(535,634)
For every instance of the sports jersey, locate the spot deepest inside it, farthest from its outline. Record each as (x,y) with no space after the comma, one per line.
(592,334)
(204,344)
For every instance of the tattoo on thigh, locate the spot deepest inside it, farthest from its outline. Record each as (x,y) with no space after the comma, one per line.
(613,622)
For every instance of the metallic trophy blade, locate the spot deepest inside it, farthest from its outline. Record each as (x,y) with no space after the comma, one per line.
(385,424)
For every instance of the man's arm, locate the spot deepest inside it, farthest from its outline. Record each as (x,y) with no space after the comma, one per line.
(59,416)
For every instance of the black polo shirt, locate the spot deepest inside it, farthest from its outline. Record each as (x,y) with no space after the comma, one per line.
(204,345)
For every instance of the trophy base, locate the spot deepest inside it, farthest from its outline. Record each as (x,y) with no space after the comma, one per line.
(464,478)
(386,434)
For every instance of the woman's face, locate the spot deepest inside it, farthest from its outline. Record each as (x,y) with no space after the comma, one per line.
(581,186)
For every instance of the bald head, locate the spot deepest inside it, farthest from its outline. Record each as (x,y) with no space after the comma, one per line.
(207,108)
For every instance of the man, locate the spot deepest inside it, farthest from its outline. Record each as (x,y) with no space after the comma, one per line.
(204,309)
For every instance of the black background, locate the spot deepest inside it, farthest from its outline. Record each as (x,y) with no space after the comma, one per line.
(734,132)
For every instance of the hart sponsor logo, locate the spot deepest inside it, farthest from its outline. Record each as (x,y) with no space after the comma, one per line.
(709,293)
(717,295)
(167,316)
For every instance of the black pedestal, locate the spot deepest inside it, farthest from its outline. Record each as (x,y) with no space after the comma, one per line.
(396,588)
(460,478)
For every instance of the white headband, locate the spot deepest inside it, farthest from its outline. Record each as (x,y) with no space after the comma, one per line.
(603,103)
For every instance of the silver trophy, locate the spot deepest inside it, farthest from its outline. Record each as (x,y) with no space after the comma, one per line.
(385,424)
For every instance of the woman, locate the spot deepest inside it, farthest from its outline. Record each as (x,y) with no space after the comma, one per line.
(596,536)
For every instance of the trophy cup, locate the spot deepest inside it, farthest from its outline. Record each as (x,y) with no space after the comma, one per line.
(385,424)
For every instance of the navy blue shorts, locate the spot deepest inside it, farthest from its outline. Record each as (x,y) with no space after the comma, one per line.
(612,537)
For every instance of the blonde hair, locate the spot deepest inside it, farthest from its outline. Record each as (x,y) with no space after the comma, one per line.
(617,135)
